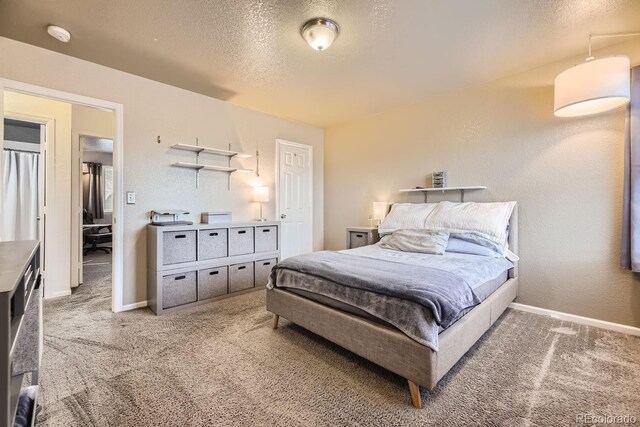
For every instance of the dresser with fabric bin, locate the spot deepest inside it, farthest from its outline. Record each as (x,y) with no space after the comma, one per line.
(195,264)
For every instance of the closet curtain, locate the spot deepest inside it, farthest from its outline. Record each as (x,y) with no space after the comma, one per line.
(630,259)
(20,208)
(92,189)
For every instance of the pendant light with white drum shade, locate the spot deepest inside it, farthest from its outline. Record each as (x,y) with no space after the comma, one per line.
(595,86)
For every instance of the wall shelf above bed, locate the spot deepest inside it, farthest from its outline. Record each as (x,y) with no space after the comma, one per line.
(426,191)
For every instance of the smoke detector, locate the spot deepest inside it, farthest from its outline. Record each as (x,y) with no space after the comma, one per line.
(59,33)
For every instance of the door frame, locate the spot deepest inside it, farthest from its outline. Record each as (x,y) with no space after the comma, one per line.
(117,287)
(77,247)
(279,143)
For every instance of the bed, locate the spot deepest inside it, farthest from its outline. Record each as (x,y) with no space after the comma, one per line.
(387,339)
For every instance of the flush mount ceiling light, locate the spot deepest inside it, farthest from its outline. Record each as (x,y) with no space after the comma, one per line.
(320,33)
(595,86)
(59,33)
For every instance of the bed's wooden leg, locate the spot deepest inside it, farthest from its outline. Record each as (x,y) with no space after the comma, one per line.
(415,394)
(274,325)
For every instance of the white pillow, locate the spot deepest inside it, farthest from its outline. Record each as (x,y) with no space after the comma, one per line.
(406,216)
(419,241)
(487,220)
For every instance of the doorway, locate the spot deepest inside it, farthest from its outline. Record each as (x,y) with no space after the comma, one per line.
(294,194)
(96,206)
(60,214)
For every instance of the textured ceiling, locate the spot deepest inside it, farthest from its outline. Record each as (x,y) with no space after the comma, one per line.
(389,53)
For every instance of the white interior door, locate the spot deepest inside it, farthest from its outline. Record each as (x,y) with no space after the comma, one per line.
(294,189)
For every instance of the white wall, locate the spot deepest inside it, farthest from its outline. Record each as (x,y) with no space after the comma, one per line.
(565,174)
(177,115)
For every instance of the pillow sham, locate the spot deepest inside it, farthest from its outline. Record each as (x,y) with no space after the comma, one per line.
(486,220)
(417,240)
(406,216)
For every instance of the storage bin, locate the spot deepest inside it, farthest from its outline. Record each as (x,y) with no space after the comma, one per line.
(240,241)
(240,277)
(212,243)
(178,246)
(212,283)
(357,239)
(263,269)
(179,289)
(215,217)
(267,238)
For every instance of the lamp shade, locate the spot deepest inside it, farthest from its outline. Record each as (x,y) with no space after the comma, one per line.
(593,87)
(379,210)
(261,194)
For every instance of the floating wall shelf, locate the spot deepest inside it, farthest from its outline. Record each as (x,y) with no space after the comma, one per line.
(426,191)
(198,166)
(214,151)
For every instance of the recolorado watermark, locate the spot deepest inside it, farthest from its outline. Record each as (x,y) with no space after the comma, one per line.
(607,419)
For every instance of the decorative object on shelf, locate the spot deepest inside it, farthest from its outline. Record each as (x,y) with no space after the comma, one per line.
(320,33)
(439,179)
(595,86)
(261,195)
(215,217)
(197,149)
(168,218)
(426,191)
(379,211)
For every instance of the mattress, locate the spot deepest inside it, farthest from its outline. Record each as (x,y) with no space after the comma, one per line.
(483,274)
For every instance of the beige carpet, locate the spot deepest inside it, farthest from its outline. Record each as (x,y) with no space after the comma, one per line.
(222,364)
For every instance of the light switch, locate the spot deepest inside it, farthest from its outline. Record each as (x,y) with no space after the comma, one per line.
(131,197)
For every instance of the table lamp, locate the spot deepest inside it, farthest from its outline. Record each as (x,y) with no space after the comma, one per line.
(261,195)
(379,211)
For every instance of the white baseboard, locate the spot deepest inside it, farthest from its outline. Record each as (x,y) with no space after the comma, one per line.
(133,306)
(617,327)
(59,294)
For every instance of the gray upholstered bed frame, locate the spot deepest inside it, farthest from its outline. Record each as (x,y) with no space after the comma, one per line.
(389,347)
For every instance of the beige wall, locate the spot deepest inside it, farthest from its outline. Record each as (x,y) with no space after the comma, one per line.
(566,175)
(152,109)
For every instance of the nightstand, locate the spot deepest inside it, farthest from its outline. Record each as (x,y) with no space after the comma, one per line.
(361,236)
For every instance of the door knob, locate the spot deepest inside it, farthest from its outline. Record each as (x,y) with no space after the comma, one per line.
(283,216)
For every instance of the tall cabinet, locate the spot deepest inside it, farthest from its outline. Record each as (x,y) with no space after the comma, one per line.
(194,264)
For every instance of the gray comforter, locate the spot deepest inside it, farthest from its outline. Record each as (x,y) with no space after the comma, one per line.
(418,300)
